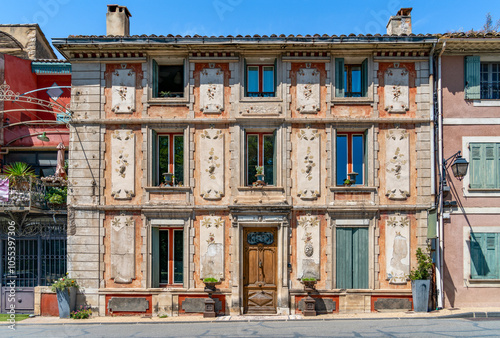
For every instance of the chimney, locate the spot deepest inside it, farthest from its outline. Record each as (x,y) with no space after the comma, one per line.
(117,20)
(401,23)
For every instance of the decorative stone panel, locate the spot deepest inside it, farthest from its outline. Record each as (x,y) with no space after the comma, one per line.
(123,164)
(308,247)
(397,167)
(308,90)
(211,164)
(212,247)
(123,91)
(396,90)
(123,249)
(212,90)
(128,304)
(308,160)
(397,249)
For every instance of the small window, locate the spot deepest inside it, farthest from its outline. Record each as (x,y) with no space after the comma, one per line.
(169,162)
(168,256)
(261,152)
(484,254)
(350,157)
(260,81)
(168,80)
(490,81)
(351,80)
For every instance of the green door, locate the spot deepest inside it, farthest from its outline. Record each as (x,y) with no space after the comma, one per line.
(352,258)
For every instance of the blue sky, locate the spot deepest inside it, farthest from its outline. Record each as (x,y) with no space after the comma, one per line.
(60,18)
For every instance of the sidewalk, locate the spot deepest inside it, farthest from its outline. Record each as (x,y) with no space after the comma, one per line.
(444,313)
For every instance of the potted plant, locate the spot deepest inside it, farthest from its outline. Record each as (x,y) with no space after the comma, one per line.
(259,173)
(210,284)
(56,197)
(420,281)
(209,302)
(309,283)
(65,289)
(352,177)
(309,302)
(19,174)
(347,182)
(168,178)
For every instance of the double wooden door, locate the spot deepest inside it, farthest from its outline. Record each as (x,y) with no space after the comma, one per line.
(260,270)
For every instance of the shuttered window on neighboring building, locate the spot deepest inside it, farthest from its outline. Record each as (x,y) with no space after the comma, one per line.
(481,79)
(352,258)
(484,165)
(484,252)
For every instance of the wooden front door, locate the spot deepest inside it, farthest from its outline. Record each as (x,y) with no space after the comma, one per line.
(260,270)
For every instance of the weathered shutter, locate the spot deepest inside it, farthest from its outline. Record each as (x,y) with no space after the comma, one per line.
(155,254)
(472,78)
(275,73)
(476,164)
(339,77)
(364,78)
(489,173)
(360,258)
(484,255)
(497,163)
(245,76)
(155,79)
(344,258)
(492,255)
(155,181)
(477,261)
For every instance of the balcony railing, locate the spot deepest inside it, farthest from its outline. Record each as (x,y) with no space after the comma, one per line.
(27,194)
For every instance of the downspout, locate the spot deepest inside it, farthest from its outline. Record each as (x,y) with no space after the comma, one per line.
(440,235)
(431,114)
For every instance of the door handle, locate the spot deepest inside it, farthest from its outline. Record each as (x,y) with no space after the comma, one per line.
(260,264)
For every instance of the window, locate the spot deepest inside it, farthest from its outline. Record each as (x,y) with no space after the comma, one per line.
(484,165)
(168,256)
(260,80)
(350,157)
(168,80)
(261,151)
(169,159)
(44,163)
(351,80)
(484,252)
(352,258)
(482,79)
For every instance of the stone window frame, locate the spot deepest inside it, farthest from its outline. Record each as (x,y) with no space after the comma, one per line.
(280,153)
(354,59)
(369,223)
(467,191)
(468,281)
(162,60)
(249,60)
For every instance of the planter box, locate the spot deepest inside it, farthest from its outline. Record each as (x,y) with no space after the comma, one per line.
(420,293)
(66,302)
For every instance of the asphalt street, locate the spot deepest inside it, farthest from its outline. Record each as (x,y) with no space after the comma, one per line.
(485,327)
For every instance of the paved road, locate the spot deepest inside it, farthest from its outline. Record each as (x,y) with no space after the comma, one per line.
(298,328)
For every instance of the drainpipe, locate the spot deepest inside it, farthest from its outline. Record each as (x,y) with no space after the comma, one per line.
(431,114)
(440,235)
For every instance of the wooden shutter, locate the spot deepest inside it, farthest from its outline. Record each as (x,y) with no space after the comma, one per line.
(245,76)
(155,181)
(476,177)
(484,255)
(489,164)
(155,257)
(472,78)
(339,77)
(155,79)
(364,78)
(352,258)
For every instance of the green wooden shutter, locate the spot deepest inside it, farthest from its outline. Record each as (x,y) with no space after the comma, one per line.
(155,79)
(339,77)
(360,258)
(275,78)
(364,78)
(492,255)
(155,257)
(472,78)
(484,255)
(489,164)
(497,164)
(476,177)
(154,159)
(344,258)
(245,76)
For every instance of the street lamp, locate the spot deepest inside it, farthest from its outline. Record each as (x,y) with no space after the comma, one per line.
(459,166)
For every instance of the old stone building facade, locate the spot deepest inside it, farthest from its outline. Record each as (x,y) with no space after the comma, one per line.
(210,111)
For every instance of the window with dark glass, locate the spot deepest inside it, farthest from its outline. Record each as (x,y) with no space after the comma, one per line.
(168,80)
(260,81)
(43,162)
(351,80)
(490,81)
(168,256)
(350,157)
(261,151)
(170,158)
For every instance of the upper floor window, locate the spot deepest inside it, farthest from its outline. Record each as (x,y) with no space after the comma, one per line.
(350,157)
(168,167)
(261,152)
(168,80)
(484,165)
(351,79)
(482,79)
(260,80)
